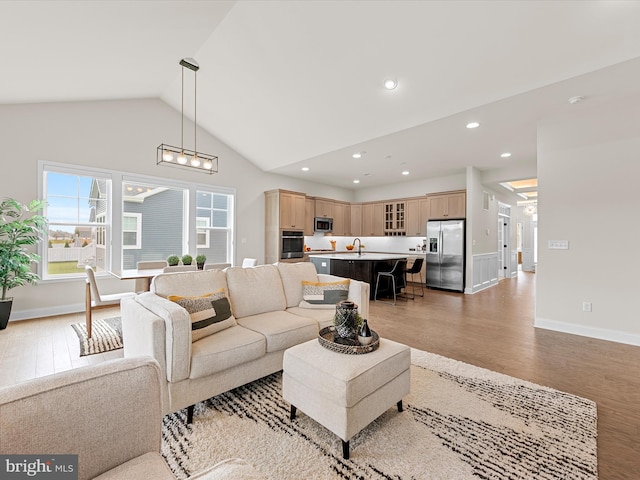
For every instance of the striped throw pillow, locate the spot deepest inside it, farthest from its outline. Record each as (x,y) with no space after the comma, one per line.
(210,313)
(323,295)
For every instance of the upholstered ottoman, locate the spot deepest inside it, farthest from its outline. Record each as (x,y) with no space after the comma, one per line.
(345,393)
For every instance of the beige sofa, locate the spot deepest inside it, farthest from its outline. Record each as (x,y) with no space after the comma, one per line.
(109,414)
(266,303)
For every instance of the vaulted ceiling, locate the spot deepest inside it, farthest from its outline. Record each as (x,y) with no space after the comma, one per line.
(292,84)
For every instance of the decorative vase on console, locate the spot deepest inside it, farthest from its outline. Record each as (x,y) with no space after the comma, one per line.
(347,321)
(365,337)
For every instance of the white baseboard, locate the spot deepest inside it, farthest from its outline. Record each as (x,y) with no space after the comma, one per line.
(46,312)
(592,332)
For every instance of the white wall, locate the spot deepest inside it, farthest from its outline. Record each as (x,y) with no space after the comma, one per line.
(123,135)
(588,171)
(411,188)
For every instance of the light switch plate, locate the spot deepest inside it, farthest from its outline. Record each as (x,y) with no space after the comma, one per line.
(559,244)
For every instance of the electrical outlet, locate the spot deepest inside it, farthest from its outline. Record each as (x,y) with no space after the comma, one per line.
(586,306)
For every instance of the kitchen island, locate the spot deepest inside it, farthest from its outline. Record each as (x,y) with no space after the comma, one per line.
(363,267)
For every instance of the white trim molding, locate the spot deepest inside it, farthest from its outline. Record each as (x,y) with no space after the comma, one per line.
(585,331)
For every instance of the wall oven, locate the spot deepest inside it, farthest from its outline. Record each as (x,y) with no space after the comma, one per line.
(291,244)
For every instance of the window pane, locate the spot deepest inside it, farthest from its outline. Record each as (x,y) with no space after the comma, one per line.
(220,201)
(219,219)
(74,203)
(162,233)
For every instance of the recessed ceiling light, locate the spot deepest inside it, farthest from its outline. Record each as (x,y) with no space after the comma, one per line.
(505,155)
(357,155)
(473,125)
(576,99)
(390,83)
(406,172)
(305,169)
(356,181)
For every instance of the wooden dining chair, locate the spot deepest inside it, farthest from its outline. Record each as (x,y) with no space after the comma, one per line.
(94,300)
(142,284)
(216,266)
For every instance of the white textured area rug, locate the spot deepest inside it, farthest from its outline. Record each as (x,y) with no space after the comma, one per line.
(459,422)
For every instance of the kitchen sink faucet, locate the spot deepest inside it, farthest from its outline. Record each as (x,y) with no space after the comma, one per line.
(359,245)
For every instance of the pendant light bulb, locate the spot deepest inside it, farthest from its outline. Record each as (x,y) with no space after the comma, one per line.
(195,161)
(208,164)
(167,156)
(182,158)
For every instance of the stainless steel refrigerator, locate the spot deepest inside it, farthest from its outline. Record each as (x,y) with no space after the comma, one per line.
(445,254)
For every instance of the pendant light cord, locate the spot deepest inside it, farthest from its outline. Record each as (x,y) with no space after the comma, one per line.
(182,113)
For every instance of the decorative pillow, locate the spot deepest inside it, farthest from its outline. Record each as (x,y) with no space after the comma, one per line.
(323,295)
(209,313)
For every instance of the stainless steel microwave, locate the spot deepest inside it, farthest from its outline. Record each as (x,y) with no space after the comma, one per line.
(322,224)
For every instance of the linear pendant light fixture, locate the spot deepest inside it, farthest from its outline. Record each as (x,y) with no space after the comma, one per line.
(180,156)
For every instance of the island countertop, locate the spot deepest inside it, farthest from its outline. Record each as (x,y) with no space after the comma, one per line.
(364,257)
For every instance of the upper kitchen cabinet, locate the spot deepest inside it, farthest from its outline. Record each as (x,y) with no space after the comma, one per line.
(286,210)
(395,218)
(449,205)
(341,219)
(372,219)
(292,210)
(309,214)
(417,216)
(356,220)
(324,208)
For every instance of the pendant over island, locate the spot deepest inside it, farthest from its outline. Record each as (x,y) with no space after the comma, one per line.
(363,267)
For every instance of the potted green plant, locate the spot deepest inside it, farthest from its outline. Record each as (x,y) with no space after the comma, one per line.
(20,228)
(173,260)
(187,259)
(200,260)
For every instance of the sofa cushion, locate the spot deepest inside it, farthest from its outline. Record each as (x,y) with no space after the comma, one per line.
(292,275)
(225,349)
(209,313)
(281,329)
(324,295)
(196,283)
(255,290)
(150,466)
(323,317)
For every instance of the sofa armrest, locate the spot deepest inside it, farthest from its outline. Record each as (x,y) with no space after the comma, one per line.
(152,324)
(358,292)
(107,414)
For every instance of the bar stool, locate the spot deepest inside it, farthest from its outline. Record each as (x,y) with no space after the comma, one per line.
(397,270)
(416,268)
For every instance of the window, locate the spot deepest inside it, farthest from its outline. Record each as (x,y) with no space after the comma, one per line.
(154,218)
(77,205)
(214,213)
(131,230)
(202,232)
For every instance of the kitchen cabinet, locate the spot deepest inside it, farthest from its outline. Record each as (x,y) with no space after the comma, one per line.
(356,220)
(417,216)
(341,219)
(324,208)
(372,219)
(445,206)
(309,214)
(292,210)
(394,218)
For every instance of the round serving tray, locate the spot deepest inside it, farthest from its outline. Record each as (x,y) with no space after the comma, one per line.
(329,340)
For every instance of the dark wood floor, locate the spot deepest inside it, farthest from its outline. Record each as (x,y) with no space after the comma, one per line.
(491,329)
(494,329)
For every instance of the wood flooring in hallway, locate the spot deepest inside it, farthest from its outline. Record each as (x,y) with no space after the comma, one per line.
(491,329)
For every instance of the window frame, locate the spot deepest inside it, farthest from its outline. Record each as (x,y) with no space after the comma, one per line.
(112,232)
(138,230)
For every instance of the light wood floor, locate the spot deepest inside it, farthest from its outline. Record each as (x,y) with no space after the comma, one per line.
(491,329)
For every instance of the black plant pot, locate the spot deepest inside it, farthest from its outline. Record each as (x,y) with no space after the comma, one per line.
(5,312)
